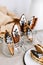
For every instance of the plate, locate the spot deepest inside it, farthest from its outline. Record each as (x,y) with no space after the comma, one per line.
(28,60)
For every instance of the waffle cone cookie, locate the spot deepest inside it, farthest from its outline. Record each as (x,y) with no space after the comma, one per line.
(39,48)
(40,45)
(16,33)
(36,58)
(16,39)
(11,49)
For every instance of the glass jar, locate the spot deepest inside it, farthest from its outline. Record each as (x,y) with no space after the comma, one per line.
(1,42)
(29,35)
(8,49)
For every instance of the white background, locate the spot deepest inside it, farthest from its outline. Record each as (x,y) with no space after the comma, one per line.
(28,7)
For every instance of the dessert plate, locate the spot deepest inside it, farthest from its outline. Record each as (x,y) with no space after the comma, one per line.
(28,60)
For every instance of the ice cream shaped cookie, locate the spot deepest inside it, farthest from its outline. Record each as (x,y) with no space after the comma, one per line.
(16,33)
(22,22)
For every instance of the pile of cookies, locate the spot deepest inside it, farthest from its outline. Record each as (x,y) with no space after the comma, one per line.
(38,53)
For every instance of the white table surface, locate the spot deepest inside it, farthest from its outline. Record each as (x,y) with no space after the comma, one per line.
(14,60)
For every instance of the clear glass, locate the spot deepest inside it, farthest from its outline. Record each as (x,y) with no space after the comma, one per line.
(39,36)
(27,44)
(30,36)
(24,42)
(1,40)
(17,46)
(5,49)
(36,37)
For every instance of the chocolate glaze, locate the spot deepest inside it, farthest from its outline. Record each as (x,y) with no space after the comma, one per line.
(35,53)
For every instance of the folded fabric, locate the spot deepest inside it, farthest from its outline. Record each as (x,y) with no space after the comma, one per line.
(8,27)
(6,11)
(4,18)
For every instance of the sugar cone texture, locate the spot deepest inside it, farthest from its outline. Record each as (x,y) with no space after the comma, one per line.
(11,48)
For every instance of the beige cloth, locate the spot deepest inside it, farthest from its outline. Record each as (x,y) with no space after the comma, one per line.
(3,9)
(6,16)
(8,27)
(6,11)
(4,19)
